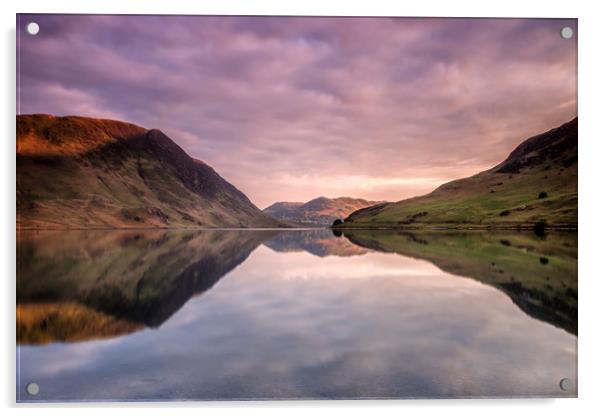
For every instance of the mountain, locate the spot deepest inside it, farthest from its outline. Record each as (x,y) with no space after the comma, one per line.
(76,172)
(538,274)
(319,211)
(97,284)
(537,183)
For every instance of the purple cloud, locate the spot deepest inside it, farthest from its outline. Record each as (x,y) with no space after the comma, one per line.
(293,108)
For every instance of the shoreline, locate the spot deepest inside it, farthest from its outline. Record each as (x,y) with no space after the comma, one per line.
(472,227)
(166,228)
(464,227)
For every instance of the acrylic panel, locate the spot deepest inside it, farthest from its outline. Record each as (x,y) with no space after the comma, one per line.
(261,208)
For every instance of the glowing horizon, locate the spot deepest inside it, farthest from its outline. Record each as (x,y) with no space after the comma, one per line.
(289,109)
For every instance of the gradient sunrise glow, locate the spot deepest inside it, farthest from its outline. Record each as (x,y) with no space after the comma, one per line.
(291,108)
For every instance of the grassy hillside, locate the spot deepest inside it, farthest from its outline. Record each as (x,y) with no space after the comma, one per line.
(539,274)
(75,172)
(537,182)
(320,211)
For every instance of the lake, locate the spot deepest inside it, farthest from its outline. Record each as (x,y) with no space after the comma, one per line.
(294,314)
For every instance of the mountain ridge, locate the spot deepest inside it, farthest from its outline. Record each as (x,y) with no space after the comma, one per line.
(320,211)
(78,172)
(535,184)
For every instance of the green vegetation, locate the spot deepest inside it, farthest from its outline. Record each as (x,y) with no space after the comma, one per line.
(75,172)
(469,202)
(506,196)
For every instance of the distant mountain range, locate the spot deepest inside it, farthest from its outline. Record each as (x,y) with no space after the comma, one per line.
(76,172)
(317,212)
(536,184)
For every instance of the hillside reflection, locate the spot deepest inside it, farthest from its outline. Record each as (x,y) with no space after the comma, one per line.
(79,285)
(538,273)
(93,284)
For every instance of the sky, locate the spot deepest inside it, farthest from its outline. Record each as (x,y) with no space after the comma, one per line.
(292,108)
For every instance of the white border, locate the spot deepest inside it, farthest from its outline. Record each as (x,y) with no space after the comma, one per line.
(590,152)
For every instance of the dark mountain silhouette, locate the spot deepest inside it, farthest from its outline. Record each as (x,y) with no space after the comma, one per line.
(76,172)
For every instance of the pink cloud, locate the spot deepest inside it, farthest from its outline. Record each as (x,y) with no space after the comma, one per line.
(264,99)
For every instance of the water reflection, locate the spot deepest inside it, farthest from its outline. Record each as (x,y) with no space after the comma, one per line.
(319,242)
(80,284)
(538,273)
(303,315)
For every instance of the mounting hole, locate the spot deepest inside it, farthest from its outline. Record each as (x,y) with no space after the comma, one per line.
(566,32)
(32,28)
(32,389)
(566,384)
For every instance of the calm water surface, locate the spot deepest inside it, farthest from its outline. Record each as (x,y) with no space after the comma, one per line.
(126,315)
